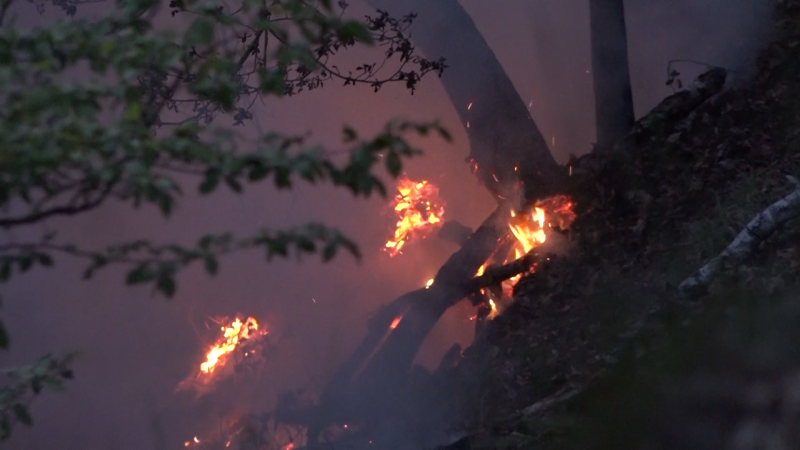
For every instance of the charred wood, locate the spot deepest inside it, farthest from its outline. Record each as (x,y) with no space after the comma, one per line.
(373,382)
(455,232)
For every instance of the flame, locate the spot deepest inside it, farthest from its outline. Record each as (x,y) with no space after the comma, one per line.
(232,335)
(418,211)
(493,307)
(529,230)
(429,283)
(394,325)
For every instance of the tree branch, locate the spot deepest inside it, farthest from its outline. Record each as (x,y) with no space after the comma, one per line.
(756,231)
(67,210)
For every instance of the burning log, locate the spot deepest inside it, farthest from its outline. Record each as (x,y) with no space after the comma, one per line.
(756,231)
(385,355)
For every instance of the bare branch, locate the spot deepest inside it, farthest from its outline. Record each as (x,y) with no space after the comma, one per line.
(756,231)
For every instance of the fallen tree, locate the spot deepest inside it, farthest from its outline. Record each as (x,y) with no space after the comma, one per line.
(760,227)
(374,374)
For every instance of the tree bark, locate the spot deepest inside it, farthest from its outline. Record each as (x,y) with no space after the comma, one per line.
(506,146)
(613,99)
(372,381)
(756,231)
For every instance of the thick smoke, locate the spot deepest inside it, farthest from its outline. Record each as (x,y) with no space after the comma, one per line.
(136,348)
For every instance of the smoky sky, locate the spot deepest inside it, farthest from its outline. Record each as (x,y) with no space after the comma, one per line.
(136,347)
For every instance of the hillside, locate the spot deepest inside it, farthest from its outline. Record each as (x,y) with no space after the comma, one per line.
(600,342)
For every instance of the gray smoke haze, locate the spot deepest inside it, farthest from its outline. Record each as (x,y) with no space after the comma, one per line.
(136,348)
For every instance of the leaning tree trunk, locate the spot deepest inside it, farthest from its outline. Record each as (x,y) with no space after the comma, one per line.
(613,99)
(507,149)
(506,146)
(370,379)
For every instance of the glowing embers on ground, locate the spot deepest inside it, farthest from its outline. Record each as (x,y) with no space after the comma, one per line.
(240,340)
(419,211)
(249,431)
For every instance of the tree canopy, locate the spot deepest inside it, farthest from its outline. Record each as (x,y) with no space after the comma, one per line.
(143,121)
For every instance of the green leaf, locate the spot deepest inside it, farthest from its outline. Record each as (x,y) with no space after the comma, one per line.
(211,264)
(133,112)
(210,182)
(166,285)
(140,274)
(201,32)
(5,270)
(349,134)
(5,427)
(44,259)
(22,414)
(444,134)
(353,30)
(164,203)
(393,164)
(234,185)
(272,82)
(329,252)
(4,340)
(25,262)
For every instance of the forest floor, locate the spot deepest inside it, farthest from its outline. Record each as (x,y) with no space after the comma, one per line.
(604,321)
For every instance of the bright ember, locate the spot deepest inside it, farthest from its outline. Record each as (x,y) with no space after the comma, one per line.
(232,335)
(419,211)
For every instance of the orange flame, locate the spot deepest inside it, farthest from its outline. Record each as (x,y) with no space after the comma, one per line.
(529,230)
(418,211)
(493,307)
(429,283)
(394,325)
(232,335)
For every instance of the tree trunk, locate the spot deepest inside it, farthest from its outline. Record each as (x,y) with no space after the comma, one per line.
(506,146)
(613,99)
(372,379)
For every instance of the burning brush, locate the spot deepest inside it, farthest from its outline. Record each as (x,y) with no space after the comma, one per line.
(240,340)
(419,211)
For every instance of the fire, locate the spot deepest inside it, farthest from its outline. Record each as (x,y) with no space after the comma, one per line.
(418,211)
(528,229)
(429,283)
(493,307)
(394,325)
(232,335)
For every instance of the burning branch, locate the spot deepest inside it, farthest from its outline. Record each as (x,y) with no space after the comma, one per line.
(418,211)
(756,231)
(238,337)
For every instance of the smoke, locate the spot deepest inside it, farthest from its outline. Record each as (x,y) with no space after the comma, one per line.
(136,348)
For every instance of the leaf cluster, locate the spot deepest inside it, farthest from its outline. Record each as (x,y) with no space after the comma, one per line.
(140,126)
